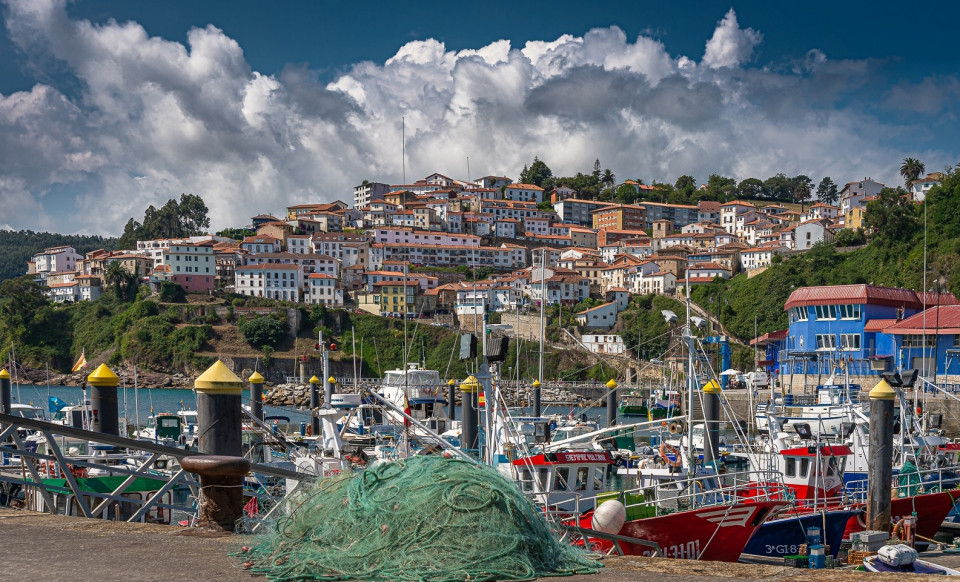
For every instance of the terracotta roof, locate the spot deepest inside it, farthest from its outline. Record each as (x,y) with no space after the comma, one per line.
(939,320)
(858,294)
(878,324)
(770,337)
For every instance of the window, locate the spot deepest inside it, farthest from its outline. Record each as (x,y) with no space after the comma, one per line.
(916,341)
(849,311)
(826,311)
(804,467)
(850,341)
(798,313)
(791,470)
(826,341)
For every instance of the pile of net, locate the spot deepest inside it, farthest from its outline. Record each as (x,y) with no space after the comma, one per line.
(423,518)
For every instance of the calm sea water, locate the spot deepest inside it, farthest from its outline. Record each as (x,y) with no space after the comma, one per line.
(148,401)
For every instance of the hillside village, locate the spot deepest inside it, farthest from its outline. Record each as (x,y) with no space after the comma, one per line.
(399,250)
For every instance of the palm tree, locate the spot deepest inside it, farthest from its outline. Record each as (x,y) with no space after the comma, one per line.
(911,169)
(608,179)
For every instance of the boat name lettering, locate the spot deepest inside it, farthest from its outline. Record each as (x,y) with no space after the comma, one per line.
(582,457)
(781,549)
(687,551)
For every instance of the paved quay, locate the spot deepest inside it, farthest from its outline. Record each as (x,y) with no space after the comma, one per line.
(41,547)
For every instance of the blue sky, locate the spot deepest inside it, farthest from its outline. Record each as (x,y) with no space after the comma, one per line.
(106,107)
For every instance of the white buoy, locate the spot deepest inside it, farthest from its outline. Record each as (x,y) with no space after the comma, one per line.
(609,517)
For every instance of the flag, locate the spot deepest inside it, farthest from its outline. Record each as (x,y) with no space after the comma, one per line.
(406,411)
(81,363)
(54,404)
(251,507)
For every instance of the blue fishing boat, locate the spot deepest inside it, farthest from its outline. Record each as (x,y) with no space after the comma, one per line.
(783,536)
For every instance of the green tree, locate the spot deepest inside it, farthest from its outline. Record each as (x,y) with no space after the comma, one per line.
(779,188)
(720,188)
(849,237)
(911,169)
(608,178)
(20,299)
(827,191)
(626,194)
(892,217)
(538,174)
(262,331)
(751,188)
(801,189)
(188,217)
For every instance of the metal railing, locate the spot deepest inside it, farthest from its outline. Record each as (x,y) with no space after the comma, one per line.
(13,446)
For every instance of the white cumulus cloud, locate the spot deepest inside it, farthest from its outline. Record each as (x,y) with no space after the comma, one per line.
(144,119)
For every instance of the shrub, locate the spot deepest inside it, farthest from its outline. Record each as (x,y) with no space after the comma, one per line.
(262,331)
(171,292)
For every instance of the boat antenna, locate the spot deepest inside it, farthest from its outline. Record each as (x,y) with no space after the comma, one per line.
(690,379)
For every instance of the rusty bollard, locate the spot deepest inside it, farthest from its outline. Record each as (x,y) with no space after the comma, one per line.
(221,486)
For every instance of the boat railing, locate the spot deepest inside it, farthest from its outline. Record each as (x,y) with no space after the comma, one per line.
(908,484)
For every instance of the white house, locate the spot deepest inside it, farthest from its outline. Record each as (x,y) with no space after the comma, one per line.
(54,260)
(809,233)
(660,283)
(523,193)
(322,290)
(604,344)
(919,188)
(273,280)
(756,258)
(600,317)
(619,296)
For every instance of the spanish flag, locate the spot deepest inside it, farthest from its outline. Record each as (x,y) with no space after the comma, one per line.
(81,363)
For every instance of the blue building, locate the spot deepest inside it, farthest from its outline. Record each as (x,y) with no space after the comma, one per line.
(844,323)
(929,341)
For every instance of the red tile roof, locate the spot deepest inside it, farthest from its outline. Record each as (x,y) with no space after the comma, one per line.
(854,294)
(878,324)
(944,319)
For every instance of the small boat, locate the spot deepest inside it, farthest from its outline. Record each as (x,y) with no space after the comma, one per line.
(902,559)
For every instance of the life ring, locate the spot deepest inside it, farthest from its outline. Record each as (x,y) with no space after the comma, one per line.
(665,448)
(77,472)
(898,529)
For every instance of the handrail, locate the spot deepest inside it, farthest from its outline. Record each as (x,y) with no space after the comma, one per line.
(12,422)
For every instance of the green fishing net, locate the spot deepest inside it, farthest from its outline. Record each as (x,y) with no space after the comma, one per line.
(426,518)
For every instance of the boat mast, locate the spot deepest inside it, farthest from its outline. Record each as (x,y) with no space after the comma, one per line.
(543,301)
(690,381)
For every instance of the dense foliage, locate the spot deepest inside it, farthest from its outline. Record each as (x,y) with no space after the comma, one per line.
(18,247)
(263,330)
(188,217)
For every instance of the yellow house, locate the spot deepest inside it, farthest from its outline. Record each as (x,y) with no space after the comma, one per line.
(391,297)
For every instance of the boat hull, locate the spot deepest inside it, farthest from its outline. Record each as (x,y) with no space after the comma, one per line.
(784,536)
(931,509)
(717,533)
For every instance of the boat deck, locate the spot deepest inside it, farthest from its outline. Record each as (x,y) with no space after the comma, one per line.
(41,547)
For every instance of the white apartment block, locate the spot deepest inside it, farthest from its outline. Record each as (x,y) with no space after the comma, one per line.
(323,290)
(366,193)
(54,260)
(504,257)
(523,193)
(271,280)
(396,236)
(298,244)
(309,263)
(604,343)
(262,244)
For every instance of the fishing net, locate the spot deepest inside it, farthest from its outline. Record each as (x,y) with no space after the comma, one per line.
(424,518)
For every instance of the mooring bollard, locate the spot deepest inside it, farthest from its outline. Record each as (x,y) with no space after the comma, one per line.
(6,406)
(221,488)
(218,411)
(103,400)
(256,395)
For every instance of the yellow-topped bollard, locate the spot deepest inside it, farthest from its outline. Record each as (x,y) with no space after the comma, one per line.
(711,421)
(256,394)
(451,399)
(6,399)
(469,436)
(880,467)
(314,404)
(613,402)
(712,387)
(536,398)
(219,411)
(104,409)
(883,391)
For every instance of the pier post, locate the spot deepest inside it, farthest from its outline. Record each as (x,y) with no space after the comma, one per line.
(452,399)
(103,401)
(256,395)
(218,411)
(536,398)
(612,402)
(468,436)
(711,420)
(6,405)
(315,404)
(880,460)
(221,486)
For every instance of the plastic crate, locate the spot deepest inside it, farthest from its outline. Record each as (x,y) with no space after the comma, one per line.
(796,561)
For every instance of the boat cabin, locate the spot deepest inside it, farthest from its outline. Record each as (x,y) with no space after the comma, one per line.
(813,473)
(568,481)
